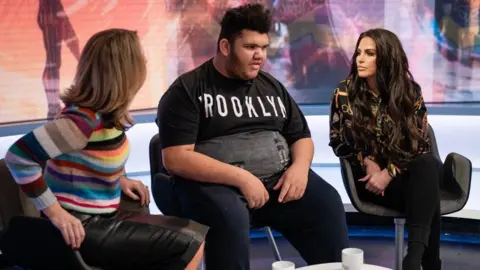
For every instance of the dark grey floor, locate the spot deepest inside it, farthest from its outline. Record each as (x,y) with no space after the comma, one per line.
(378,251)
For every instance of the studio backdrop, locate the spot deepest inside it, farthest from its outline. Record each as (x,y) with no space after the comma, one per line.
(311,45)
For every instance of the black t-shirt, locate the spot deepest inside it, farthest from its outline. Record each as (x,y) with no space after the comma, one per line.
(203,104)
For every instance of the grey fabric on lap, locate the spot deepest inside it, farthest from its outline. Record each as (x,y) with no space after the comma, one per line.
(264,153)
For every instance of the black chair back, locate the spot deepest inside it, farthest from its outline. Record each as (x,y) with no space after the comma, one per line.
(163,185)
(13,202)
(433,142)
(156,159)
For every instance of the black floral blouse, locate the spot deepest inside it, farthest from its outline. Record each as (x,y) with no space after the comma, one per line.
(341,137)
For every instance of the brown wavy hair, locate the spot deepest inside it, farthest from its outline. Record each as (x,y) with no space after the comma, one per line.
(110,72)
(398,92)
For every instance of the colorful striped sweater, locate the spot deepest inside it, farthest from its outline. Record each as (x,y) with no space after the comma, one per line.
(83,163)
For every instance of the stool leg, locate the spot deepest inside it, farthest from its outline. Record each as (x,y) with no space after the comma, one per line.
(399,241)
(273,244)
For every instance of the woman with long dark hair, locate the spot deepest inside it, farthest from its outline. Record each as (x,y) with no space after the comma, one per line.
(378,122)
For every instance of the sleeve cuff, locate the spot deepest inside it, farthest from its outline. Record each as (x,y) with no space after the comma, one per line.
(45,200)
(363,155)
(392,170)
(292,140)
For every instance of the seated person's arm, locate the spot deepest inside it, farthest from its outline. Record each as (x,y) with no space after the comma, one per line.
(178,120)
(27,156)
(297,134)
(302,152)
(341,148)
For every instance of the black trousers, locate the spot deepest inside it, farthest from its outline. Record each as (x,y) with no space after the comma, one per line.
(417,193)
(315,225)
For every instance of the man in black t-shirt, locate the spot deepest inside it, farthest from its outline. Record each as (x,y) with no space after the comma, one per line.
(239,151)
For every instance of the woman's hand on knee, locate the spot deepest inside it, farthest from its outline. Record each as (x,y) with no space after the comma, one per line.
(71,227)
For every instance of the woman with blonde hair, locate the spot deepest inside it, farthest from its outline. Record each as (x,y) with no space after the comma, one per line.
(83,153)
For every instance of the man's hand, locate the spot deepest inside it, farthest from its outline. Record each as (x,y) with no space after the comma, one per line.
(293,183)
(378,182)
(129,186)
(253,190)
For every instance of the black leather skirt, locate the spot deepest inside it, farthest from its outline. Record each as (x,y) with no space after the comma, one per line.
(132,240)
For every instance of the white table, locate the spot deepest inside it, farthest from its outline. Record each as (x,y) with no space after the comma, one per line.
(338,266)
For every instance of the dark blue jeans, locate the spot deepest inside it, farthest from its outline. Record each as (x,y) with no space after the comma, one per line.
(315,225)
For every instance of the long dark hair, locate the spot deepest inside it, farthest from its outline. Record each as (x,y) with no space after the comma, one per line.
(398,92)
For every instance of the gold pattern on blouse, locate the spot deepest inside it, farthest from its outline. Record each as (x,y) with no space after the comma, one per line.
(341,137)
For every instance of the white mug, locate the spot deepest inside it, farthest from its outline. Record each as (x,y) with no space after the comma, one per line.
(283,265)
(352,259)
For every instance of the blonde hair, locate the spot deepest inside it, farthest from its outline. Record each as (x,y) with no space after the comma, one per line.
(111,70)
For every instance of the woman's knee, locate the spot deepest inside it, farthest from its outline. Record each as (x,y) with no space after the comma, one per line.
(427,158)
(425,173)
(426,162)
